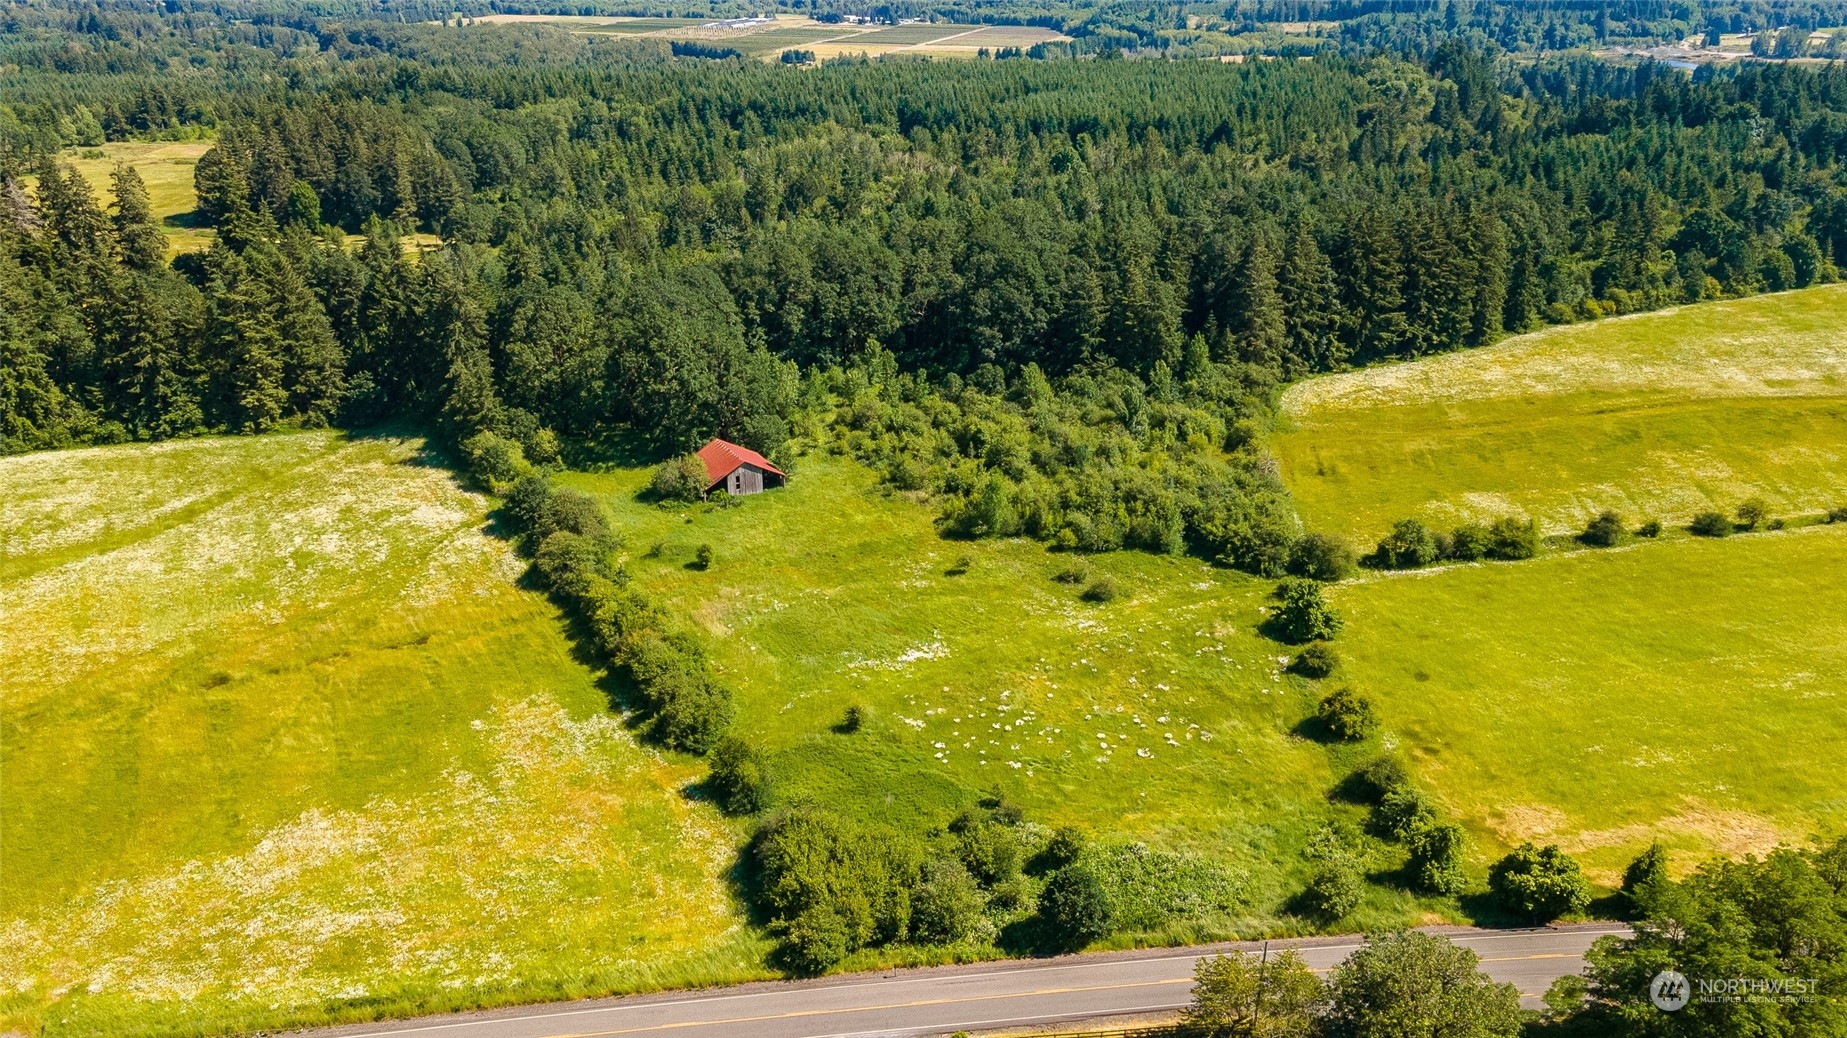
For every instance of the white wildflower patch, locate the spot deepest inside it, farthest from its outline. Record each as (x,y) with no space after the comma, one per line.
(933,650)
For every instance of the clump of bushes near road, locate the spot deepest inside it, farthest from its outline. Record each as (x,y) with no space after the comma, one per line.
(831,885)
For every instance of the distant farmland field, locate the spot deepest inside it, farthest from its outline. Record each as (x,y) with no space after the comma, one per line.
(1006,36)
(1662,415)
(910,35)
(282,733)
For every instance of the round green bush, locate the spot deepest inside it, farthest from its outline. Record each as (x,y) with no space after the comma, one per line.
(1321,556)
(1075,907)
(1539,883)
(1436,864)
(1711,524)
(1650,528)
(1347,715)
(1304,615)
(1404,810)
(740,782)
(1605,531)
(1334,889)
(1408,546)
(1753,513)
(1370,782)
(1102,589)
(679,479)
(693,714)
(1468,543)
(1315,661)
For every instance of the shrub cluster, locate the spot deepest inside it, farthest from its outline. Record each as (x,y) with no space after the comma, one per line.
(1411,544)
(1102,460)
(1711,524)
(1402,812)
(831,885)
(1399,984)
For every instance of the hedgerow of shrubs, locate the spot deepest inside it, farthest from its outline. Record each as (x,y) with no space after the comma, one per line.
(1411,544)
(682,703)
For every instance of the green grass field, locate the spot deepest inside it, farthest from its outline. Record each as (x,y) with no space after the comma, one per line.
(1688,691)
(284,741)
(1160,716)
(1660,415)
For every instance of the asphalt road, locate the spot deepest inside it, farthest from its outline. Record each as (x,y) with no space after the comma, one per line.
(944,999)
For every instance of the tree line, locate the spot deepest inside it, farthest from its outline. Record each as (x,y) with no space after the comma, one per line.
(1056,296)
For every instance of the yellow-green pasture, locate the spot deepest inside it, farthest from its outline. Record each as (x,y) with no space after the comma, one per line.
(1659,415)
(1687,691)
(283,740)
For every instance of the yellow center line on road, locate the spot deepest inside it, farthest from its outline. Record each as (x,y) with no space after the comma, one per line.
(921,1003)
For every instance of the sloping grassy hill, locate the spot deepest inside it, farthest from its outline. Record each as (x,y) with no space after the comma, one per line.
(1664,415)
(282,738)
(1684,690)
(1687,691)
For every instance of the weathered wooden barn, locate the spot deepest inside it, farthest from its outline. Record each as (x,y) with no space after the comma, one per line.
(738,470)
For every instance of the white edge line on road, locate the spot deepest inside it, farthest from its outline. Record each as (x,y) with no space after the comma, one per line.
(892,981)
(907,1032)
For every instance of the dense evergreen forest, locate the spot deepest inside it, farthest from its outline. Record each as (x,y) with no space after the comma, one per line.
(1055,295)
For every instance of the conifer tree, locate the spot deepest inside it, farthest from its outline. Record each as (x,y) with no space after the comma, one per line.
(138,240)
(1311,317)
(1261,327)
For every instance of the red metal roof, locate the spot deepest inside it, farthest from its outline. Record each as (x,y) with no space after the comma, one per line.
(722,458)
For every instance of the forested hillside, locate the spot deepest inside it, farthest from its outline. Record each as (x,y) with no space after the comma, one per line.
(1067,288)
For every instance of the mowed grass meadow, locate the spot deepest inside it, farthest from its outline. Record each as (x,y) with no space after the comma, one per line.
(1659,415)
(283,740)
(1687,691)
